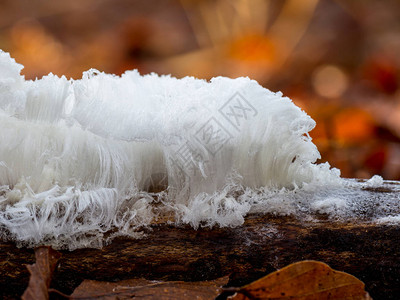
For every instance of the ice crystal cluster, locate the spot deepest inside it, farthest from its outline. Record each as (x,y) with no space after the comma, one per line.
(82,158)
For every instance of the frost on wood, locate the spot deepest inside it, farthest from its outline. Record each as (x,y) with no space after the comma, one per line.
(80,158)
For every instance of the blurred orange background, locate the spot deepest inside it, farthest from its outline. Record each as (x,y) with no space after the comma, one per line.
(339,60)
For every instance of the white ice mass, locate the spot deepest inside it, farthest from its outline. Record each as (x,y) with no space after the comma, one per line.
(82,158)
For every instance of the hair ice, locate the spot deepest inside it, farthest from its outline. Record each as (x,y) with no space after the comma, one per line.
(80,158)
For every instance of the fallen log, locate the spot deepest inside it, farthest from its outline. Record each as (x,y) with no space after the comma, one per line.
(264,243)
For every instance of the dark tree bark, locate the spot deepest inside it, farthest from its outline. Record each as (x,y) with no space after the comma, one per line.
(262,245)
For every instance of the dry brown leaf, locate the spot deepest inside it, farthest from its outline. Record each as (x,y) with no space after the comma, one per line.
(146,289)
(304,280)
(41,273)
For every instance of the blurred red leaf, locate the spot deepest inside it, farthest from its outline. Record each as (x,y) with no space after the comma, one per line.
(376,159)
(253,47)
(383,74)
(353,125)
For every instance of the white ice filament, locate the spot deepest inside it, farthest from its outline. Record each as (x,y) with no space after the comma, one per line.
(80,158)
